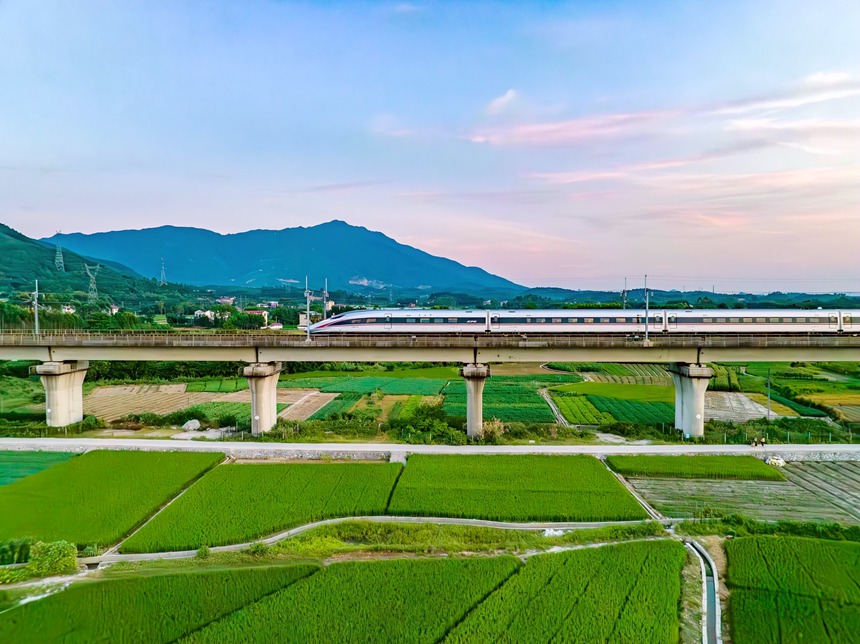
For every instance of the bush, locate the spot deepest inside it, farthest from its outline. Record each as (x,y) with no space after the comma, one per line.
(53,558)
(16,551)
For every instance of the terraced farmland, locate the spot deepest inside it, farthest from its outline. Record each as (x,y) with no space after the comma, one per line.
(621,593)
(237,503)
(788,589)
(512,488)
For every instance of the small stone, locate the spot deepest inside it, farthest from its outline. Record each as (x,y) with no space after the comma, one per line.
(192,425)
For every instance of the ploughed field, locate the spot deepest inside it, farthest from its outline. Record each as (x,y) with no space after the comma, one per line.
(791,589)
(616,593)
(690,486)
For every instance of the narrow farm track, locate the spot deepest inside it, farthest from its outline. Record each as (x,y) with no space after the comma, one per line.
(275,538)
(253,449)
(559,417)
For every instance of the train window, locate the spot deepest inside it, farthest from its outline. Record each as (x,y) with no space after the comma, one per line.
(356,321)
(556,320)
(540,320)
(775,320)
(659,318)
(846,319)
(604,320)
(438,320)
(369,320)
(720,320)
(799,320)
(589,320)
(747,320)
(410,320)
(621,320)
(760,320)
(572,320)
(425,320)
(452,320)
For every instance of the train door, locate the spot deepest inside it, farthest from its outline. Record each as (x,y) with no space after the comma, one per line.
(846,321)
(834,321)
(494,322)
(673,321)
(388,323)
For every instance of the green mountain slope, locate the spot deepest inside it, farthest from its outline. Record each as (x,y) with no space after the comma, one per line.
(24,260)
(351,257)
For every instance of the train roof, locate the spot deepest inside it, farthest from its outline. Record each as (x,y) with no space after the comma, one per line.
(593,312)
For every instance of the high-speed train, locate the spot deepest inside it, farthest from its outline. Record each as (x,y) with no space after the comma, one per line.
(627,321)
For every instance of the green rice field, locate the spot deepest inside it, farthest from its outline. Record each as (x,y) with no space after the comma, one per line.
(791,589)
(640,393)
(221,385)
(406,601)
(695,467)
(512,488)
(237,503)
(150,609)
(17,465)
(369,385)
(98,497)
(621,593)
(505,399)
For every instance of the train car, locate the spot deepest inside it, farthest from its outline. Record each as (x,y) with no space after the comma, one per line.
(575,321)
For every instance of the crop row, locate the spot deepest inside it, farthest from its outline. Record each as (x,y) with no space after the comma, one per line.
(343,403)
(98,497)
(380,601)
(512,488)
(622,593)
(17,465)
(789,589)
(241,502)
(223,385)
(634,411)
(578,410)
(368,385)
(150,609)
(509,402)
(725,379)
(695,467)
(800,408)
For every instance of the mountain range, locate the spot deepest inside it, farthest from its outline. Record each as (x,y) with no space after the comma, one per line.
(351,257)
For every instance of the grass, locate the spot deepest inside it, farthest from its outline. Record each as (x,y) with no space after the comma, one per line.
(98,497)
(641,393)
(621,593)
(228,413)
(416,600)
(150,609)
(695,467)
(512,488)
(17,465)
(238,503)
(789,589)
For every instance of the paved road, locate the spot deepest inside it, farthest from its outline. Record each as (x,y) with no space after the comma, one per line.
(287,450)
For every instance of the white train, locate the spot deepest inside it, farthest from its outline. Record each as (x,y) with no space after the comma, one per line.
(627,321)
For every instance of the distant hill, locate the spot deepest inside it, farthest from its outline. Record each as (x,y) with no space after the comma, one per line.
(24,260)
(351,257)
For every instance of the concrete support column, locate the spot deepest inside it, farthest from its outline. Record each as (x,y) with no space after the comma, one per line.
(263,383)
(64,390)
(475,376)
(691,382)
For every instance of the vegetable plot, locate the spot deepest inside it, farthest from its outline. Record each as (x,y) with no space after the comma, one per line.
(695,467)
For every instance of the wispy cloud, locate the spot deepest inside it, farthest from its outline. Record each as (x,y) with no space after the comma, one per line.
(567,132)
(817,88)
(405,7)
(334,187)
(502,103)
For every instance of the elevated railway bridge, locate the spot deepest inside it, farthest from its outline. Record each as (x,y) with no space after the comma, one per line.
(65,358)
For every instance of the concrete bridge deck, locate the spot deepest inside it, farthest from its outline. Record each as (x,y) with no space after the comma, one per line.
(466,348)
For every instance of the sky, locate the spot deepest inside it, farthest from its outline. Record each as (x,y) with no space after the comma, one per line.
(706,144)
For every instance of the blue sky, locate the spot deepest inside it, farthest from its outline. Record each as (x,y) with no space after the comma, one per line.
(571,144)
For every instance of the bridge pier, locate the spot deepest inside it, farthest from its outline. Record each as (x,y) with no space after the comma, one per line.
(263,383)
(64,390)
(691,382)
(475,375)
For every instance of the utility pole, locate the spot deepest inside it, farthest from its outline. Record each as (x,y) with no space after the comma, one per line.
(325,300)
(624,295)
(36,307)
(307,310)
(646,308)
